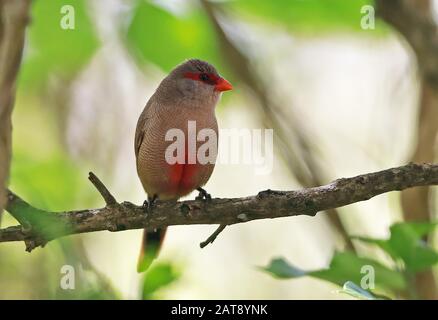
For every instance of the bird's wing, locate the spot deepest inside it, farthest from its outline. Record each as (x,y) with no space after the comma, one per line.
(142,125)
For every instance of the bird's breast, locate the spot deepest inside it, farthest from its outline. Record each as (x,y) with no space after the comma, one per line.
(174,180)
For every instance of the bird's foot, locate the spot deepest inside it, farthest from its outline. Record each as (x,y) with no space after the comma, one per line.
(203,195)
(150,203)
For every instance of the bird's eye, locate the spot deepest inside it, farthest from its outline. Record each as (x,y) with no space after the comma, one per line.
(204,77)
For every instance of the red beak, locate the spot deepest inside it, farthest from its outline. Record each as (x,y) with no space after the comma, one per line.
(223,85)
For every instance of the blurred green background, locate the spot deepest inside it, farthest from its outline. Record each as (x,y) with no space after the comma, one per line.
(337,96)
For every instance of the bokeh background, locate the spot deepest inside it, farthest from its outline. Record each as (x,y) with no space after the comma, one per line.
(342,100)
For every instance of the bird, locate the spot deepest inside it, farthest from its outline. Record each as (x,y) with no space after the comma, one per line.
(190,92)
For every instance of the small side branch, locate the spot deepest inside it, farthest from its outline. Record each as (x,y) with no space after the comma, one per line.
(213,236)
(104,192)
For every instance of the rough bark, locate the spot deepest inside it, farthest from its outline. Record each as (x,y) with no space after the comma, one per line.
(39,226)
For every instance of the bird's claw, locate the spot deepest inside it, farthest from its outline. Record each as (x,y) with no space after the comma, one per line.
(203,195)
(149,205)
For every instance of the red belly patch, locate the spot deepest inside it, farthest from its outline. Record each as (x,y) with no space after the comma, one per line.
(183,175)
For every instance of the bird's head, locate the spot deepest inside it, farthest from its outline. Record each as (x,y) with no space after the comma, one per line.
(196,80)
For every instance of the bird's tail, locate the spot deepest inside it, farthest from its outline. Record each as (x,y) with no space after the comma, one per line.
(150,248)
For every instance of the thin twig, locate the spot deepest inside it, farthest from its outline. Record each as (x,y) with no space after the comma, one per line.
(104,192)
(213,236)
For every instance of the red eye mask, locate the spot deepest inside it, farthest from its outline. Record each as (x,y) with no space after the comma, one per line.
(220,84)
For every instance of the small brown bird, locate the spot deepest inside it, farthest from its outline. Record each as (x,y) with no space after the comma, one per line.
(189,93)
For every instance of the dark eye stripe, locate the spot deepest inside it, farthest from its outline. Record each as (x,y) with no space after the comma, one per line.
(208,78)
(204,77)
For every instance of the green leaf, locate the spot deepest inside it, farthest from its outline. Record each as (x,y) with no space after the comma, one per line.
(383,244)
(282,269)
(304,15)
(354,290)
(158,36)
(406,244)
(50,48)
(414,230)
(345,266)
(158,277)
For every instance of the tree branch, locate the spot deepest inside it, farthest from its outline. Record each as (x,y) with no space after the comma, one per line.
(14,15)
(47,226)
